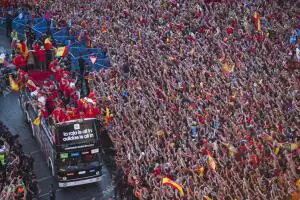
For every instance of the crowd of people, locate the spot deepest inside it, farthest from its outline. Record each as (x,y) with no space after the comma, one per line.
(16,169)
(204,92)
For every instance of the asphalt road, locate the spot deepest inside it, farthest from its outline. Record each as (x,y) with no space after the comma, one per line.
(12,116)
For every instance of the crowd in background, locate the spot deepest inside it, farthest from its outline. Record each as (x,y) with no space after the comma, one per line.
(16,169)
(198,93)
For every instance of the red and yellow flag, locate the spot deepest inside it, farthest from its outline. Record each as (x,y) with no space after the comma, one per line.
(104,27)
(179,188)
(227,68)
(23,49)
(31,85)
(61,51)
(256,17)
(211,163)
(13,84)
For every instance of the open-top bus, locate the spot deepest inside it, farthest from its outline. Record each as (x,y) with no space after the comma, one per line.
(72,148)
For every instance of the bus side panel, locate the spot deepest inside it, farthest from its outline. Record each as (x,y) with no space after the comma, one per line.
(41,135)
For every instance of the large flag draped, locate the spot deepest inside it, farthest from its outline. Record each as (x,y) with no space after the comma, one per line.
(167,181)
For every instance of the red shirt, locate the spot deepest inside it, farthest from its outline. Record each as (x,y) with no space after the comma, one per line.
(92,112)
(229,30)
(53,65)
(62,116)
(58,74)
(45,114)
(19,61)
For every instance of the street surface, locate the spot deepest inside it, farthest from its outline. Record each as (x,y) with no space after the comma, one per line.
(12,116)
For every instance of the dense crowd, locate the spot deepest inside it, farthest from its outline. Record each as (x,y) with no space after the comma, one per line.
(200,92)
(16,169)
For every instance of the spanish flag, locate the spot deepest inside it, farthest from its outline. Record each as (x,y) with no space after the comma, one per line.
(256,18)
(23,49)
(167,181)
(13,84)
(61,51)
(227,68)
(207,198)
(107,116)
(37,121)
(31,85)
(211,163)
(104,27)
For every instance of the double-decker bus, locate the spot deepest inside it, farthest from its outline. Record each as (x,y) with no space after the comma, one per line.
(72,148)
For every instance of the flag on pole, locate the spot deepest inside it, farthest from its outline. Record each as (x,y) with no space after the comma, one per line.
(61,51)
(13,84)
(167,181)
(256,17)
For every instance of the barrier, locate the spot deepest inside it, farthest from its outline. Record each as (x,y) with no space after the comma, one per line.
(102,60)
(62,37)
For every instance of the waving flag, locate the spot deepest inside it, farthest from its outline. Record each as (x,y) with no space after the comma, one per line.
(167,181)
(104,27)
(211,163)
(61,51)
(227,68)
(13,84)
(256,17)
(31,85)
(37,121)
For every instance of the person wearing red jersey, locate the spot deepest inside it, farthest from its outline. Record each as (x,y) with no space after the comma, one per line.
(22,78)
(19,62)
(53,65)
(91,111)
(62,116)
(58,73)
(72,113)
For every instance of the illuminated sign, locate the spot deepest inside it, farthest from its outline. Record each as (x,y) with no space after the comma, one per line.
(75,133)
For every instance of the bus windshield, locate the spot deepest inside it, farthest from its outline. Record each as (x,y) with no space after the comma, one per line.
(69,161)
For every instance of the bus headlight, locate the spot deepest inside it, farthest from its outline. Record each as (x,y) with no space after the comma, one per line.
(64,178)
